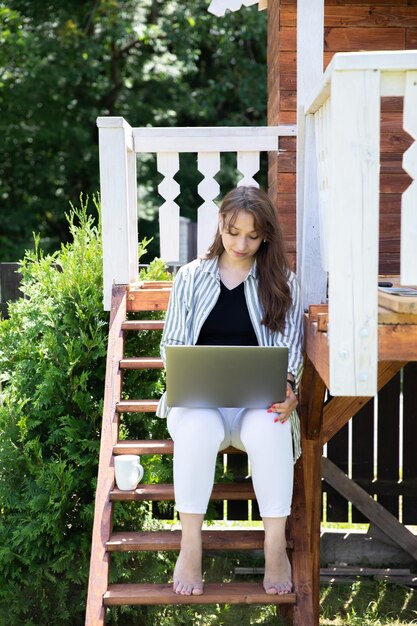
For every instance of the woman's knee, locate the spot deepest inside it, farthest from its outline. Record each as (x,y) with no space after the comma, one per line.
(198,425)
(257,427)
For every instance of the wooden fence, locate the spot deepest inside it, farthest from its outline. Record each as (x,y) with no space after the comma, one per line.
(376,448)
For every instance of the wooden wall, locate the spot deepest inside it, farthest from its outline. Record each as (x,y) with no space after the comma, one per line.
(349,25)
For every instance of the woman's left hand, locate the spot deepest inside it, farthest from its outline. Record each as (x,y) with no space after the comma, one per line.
(284,409)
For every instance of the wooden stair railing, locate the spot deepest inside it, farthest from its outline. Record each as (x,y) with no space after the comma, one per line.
(296,608)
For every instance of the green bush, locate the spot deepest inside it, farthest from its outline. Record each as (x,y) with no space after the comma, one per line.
(52,364)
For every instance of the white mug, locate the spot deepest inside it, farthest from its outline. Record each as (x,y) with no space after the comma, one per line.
(128,471)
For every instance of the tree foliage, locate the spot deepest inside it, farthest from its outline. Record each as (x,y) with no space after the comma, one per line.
(155,62)
(52,360)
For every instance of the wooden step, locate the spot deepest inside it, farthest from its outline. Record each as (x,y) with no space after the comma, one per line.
(150,299)
(214,593)
(238,539)
(165,492)
(155,446)
(143,325)
(140,363)
(137,406)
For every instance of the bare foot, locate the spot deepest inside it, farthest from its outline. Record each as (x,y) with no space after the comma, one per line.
(187,573)
(277,579)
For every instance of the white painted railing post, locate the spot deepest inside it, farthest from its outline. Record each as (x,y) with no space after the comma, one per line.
(313,279)
(118,204)
(409,197)
(353,232)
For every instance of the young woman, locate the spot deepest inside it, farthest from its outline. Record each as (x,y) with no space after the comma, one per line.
(241,293)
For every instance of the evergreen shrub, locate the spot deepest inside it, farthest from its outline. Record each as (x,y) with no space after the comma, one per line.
(52,367)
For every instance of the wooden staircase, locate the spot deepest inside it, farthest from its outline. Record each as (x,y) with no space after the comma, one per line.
(296,608)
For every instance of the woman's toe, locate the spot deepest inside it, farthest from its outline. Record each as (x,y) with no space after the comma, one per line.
(198,589)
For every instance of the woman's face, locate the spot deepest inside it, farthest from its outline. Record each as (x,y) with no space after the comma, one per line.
(240,239)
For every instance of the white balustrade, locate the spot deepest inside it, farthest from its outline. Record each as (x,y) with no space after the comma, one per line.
(168,164)
(119,144)
(346,109)
(208,189)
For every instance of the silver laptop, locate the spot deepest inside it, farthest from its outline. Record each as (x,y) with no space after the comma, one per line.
(226,376)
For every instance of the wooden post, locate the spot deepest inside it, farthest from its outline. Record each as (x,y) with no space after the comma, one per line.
(353,232)
(310,33)
(99,562)
(312,398)
(118,204)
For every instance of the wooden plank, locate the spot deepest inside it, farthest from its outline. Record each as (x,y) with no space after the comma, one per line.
(400,304)
(99,563)
(144,362)
(348,39)
(165,492)
(238,539)
(353,260)
(367,505)
(220,593)
(346,15)
(314,310)
(155,446)
(409,441)
(362,450)
(317,349)
(132,325)
(137,406)
(148,299)
(389,439)
(337,509)
(397,342)
(351,39)
(339,410)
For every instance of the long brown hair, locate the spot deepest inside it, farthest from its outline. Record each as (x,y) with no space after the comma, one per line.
(271,259)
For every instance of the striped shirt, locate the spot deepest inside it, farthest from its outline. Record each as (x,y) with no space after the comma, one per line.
(195,291)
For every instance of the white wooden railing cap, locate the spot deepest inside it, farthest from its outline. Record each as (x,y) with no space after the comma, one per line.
(384,61)
(113,122)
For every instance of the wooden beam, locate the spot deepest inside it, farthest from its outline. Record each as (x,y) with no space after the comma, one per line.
(317,349)
(301,558)
(371,509)
(312,393)
(340,409)
(103,517)
(397,342)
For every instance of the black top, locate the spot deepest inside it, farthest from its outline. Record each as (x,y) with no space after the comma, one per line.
(228,324)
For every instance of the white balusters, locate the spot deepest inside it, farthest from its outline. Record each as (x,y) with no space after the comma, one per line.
(168,165)
(208,164)
(248,165)
(409,197)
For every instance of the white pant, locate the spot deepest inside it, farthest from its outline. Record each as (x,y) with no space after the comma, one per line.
(199,434)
